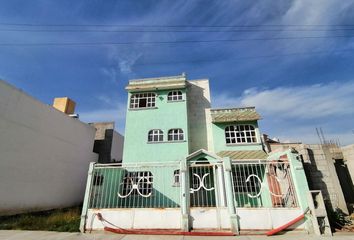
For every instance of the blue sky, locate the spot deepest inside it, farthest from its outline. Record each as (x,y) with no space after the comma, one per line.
(292,59)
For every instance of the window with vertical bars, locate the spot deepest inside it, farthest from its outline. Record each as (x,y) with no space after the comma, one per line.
(175,135)
(142,180)
(240,134)
(155,135)
(142,100)
(176,176)
(174,96)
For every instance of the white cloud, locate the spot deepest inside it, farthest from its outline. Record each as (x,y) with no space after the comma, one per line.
(304,102)
(111,73)
(123,61)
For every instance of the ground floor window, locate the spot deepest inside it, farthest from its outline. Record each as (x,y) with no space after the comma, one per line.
(138,184)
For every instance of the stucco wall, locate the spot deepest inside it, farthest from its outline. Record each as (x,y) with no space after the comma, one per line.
(166,115)
(44,156)
(199,118)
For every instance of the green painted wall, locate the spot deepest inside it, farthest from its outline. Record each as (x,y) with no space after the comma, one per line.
(220,141)
(165,116)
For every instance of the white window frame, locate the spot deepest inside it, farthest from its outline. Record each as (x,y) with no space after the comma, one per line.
(240,134)
(137,99)
(174,96)
(155,135)
(175,134)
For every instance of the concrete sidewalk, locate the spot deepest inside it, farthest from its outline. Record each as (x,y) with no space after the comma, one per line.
(41,235)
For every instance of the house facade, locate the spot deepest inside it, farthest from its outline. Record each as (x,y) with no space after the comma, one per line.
(187,166)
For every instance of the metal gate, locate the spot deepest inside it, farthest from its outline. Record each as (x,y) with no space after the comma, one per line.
(202,185)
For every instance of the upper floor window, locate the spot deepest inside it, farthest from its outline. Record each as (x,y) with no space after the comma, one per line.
(175,135)
(142,100)
(175,96)
(240,134)
(155,135)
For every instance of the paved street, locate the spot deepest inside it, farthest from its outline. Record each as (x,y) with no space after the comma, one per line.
(41,235)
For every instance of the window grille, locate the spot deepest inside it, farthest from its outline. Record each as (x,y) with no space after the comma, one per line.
(142,100)
(175,96)
(155,135)
(143,181)
(176,175)
(240,134)
(244,179)
(175,135)
(97,180)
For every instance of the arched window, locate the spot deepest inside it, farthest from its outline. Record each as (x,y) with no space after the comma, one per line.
(175,135)
(155,135)
(240,134)
(174,96)
(142,100)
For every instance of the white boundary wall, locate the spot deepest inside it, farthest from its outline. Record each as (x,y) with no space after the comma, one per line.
(135,218)
(201,218)
(44,154)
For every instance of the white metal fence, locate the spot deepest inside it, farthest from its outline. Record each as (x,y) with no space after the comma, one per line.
(263,184)
(254,184)
(135,186)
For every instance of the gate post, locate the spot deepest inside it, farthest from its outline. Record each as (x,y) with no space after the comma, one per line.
(184,195)
(86,198)
(230,195)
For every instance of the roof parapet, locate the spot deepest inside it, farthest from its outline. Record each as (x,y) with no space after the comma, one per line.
(146,84)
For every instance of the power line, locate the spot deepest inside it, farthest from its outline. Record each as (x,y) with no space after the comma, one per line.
(174,31)
(168,42)
(175,26)
(250,57)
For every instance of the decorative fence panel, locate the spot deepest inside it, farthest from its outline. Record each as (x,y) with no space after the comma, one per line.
(202,185)
(263,184)
(135,186)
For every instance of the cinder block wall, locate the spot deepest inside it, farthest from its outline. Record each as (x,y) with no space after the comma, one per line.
(44,154)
